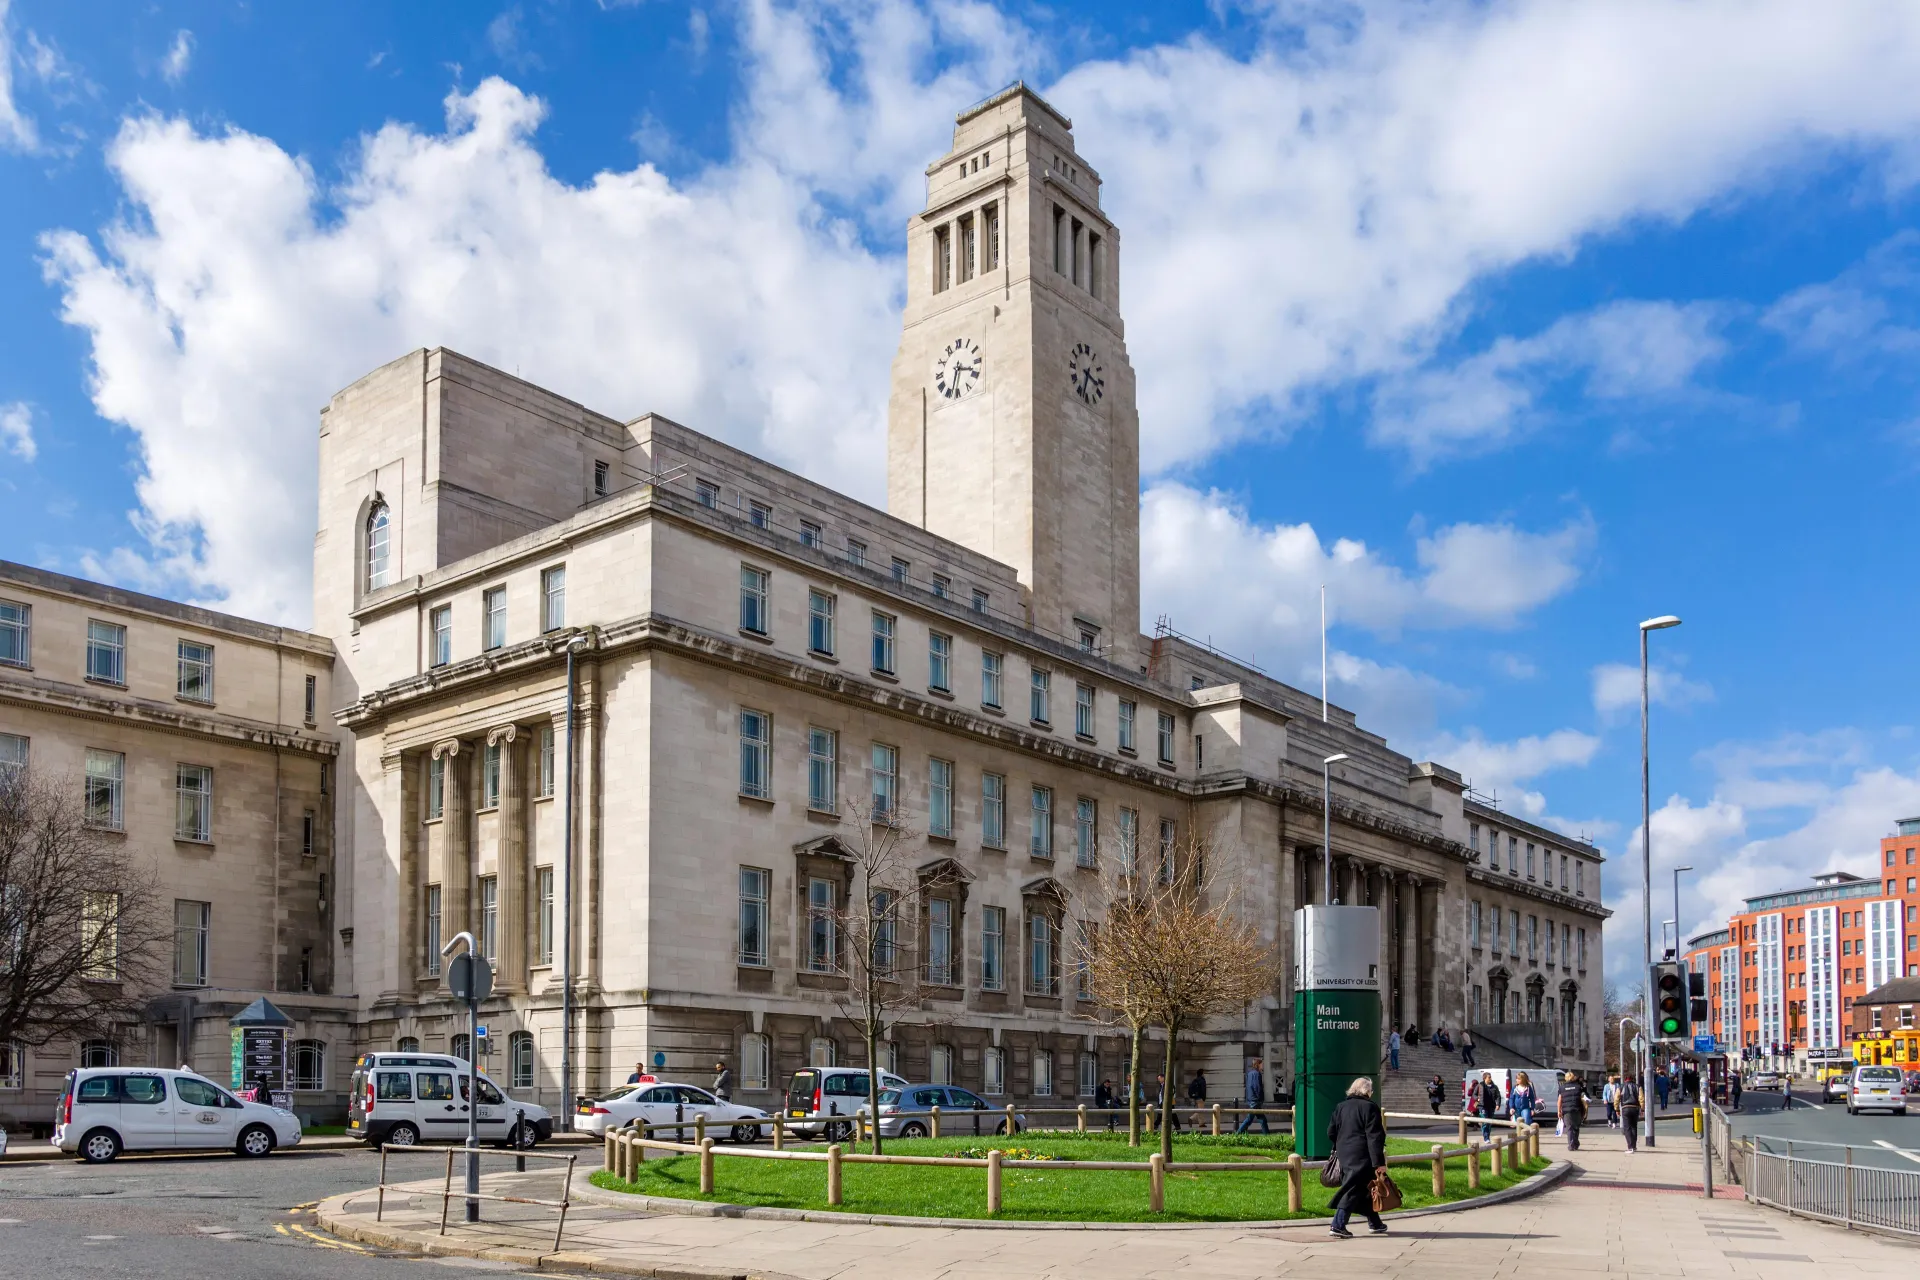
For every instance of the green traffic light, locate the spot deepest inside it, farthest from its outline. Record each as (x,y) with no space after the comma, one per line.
(1670,1027)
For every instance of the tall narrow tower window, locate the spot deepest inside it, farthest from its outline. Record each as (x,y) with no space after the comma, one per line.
(969,256)
(1096,268)
(942,258)
(1059,244)
(990,234)
(1079,267)
(379,547)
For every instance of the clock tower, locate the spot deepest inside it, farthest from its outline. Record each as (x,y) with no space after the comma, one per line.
(1011,424)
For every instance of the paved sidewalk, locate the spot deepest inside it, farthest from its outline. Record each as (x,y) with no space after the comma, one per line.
(1620,1215)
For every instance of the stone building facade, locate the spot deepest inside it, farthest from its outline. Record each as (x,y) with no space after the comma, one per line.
(205,743)
(719,654)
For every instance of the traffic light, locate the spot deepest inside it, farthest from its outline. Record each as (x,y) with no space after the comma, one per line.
(1669,1003)
(1698,1014)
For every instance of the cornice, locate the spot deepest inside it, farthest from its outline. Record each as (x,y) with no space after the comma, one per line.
(1524,889)
(71,701)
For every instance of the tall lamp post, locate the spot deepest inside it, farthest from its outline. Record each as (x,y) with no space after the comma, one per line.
(1326,809)
(1646,871)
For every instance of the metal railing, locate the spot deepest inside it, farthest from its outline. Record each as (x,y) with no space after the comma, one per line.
(448,1195)
(1785,1176)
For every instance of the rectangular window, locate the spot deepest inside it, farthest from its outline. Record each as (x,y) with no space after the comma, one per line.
(1042,976)
(436,787)
(979,601)
(543,896)
(1059,241)
(1579,879)
(190,920)
(432,942)
(1533,937)
(756,755)
(823,770)
(883,625)
(940,798)
(1473,836)
(1083,711)
(1041,843)
(993,927)
(810,534)
(1513,936)
(441,622)
(309,821)
(969,245)
(106,789)
(940,942)
(993,811)
(106,652)
(490,776)
(1563,873)
(493,624)
(942,586)
(1083,934)
(1085,824)
(195,671)
(1169,840)
(546,759)
(901,571)
(193,802)
(820,623)
(1129,841)
(1530,860)
(313,696)
(1126,725)
(100,936)
(706,493)
(990,664)
(886,778)
(753,914)
(856,553)
(990,237)
(553,598)
(1583,950)
(490,916)
(602,479)
(822,945)
(753,599)
(1166,738)
(1513,855)
(16,634)
(1096,267)
(1042,1073)
(759,515)
(14,756)
(939,661)
(1039,701)
(942,258)
(1473,925)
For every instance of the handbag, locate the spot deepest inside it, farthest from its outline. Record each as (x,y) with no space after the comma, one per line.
(1331,1174)
(1386,1193)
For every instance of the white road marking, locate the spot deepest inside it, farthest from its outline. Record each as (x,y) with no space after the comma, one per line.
(1899,1151)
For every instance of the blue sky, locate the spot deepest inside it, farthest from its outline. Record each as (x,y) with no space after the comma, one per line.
(1514,324)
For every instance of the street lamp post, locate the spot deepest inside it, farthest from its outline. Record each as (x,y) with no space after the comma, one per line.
(1646,868)
(1326,808)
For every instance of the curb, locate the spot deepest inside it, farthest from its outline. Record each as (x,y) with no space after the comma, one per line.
(587,1193)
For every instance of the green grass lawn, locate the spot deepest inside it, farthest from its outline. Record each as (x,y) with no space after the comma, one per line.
(1040,1194)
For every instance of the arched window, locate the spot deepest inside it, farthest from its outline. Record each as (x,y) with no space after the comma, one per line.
(820,1052)
(461,1048)
(409,1044)
(520,1060)
(308,1058)
(379,547)
(99,1053)
(756,1067)
(942,1065)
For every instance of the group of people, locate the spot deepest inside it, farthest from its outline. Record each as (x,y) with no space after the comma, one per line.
(1113,1100)
(1440,1039)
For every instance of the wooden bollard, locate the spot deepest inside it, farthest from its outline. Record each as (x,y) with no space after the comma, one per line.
(833,1174)
(1081,1118)
(779,1133)
(1294,1182)
(1463,1128)
(1499,1146)
(1473,1166)
(706,1166)
(1533,1143)
(699,1128)
(1216,1119)
(611,1161)
(638,1146)
(993,1180)
(936,1122)
(1439,1171)
(1012,1125)
(1156,1183)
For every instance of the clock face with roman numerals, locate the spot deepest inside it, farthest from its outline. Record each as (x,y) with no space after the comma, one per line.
(956,370)
(1086,373)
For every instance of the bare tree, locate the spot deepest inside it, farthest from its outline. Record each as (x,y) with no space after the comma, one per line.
(1173,951)
(1616,1003)
(82,940)
(878,928)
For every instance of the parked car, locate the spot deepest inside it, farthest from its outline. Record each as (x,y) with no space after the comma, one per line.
(815,1094)
(406,1098)
(106,1110)
(1876,1089)
(961,1112)
(663,1102)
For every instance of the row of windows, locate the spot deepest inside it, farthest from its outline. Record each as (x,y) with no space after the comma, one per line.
(306,1068)
(106,789)
(1503,934)
(435,799)
(1078,253)
(489,913)
(966,247)
(106,656)
(1545,860)
(1892,854)
(493,617)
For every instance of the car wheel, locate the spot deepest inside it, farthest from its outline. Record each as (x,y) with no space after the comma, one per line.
(745,1133)
(839,1131)
(523,1136)
(100,1146)
(403,1135)
(1001,1127)
(255,1140)
(913,1129)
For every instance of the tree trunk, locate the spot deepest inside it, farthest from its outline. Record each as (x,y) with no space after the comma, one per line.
(873,1070)
(1167,1092)
(1133,1091)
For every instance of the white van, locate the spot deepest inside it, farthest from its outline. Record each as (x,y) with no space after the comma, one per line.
(404,1098)
(106,1110)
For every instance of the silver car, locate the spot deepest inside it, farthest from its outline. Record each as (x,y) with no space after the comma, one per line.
(961,1113)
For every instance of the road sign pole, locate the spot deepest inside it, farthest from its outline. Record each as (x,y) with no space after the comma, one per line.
(470,978)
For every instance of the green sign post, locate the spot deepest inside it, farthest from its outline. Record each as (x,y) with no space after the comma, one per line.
(1336,1015)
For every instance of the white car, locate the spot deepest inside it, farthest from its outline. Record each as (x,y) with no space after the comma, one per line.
(106,1110)
(663,1102)
(408,1098)
(1876,1089)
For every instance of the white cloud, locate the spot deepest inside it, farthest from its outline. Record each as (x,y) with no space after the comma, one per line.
(1857,315)
(1499,770)
(17,132)
(1616,689)
(16,431)
(173,67)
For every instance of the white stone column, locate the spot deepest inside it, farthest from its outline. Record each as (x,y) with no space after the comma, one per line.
(511,861)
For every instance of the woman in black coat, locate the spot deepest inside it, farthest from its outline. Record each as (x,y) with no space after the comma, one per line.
(1359,1140)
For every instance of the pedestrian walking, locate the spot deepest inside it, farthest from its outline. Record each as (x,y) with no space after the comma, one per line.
(1609,1092)
(1436,1094)
(1663,1085)
(1393,1051)
(1165,1101)
(1103,1100)
(1628,1097)
(1256,1097)
(1359,1141)
(1786,1093)
(722,1082)
(1521,1099)
(1572,1103)
(1197,1090)
(1466,1048)
(1691,1080)
(1486,1104)
(1733,1088)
